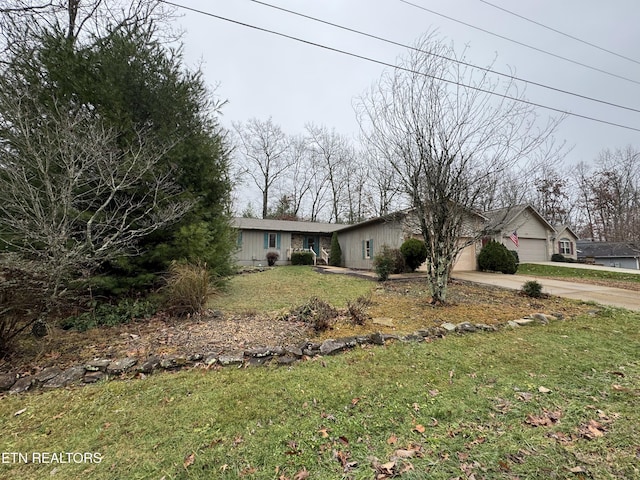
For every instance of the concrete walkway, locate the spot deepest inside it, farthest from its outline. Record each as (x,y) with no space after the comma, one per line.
(616,297)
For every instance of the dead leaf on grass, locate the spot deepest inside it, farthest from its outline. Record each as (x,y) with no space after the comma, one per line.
(302,474)
(20,412)
(546,419)
(544,390)
(189,459)
(577,470)
(392,440)
(592,430)
(419,428)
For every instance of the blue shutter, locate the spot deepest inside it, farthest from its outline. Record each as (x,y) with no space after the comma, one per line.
(278,241)
(266,240)
(371,248)
(363,249)
(239,238)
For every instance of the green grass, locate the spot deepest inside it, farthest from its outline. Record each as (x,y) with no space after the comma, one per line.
(569,272)
(286,287)
(476,397)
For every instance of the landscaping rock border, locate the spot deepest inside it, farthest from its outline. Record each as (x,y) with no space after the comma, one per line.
(104,369)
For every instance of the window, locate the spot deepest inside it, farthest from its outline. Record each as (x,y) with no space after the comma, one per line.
(272,240)
(565,247)
(367,248)
(239,240)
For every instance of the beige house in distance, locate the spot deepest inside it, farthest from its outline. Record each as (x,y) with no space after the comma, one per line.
(533,233)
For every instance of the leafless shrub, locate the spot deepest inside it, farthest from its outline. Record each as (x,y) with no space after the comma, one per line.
(315,312)
(358,309)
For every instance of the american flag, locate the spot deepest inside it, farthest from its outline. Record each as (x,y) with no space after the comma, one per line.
(514,237)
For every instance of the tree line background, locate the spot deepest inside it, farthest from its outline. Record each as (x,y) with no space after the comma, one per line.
(322,175)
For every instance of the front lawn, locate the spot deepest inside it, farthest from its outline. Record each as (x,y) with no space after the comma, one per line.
(566,272)
(285,287)
(556,401)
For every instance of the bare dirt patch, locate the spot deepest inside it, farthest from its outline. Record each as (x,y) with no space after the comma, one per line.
(404,303)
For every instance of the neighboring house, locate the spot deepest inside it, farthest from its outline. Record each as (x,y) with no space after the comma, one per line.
(524,225)
(610,254)
(564,242)
(257,237)
(360,242)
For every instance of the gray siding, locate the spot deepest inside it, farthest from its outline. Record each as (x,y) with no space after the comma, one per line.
(618,262)
(252,252)
(389,233)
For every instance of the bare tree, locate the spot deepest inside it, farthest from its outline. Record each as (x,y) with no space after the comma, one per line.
(382,186)
(80,20)
(264,148)
(551,197)
(610,194)
(332,155)
(446,131)
(70,197)
(298,180)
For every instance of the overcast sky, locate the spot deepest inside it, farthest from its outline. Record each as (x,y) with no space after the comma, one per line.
(264,75)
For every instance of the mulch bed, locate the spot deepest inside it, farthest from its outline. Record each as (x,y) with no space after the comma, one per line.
(406,303)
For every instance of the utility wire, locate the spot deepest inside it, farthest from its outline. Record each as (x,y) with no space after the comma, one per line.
(396,67)
(521,43)
(484,69)
(559,32)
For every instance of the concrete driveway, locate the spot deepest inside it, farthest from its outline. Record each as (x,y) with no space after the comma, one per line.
(616,297)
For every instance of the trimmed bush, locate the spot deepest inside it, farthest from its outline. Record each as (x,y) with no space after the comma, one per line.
(272,258)
(188,288)
(558,257)
(414,252)
(495,257)
(335,255)
(532,289)
(301,258)
(516,257)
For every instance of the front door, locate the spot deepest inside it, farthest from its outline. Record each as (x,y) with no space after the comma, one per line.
(311,243)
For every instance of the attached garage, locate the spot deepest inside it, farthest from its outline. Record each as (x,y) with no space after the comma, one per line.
(531,250)
(467,260)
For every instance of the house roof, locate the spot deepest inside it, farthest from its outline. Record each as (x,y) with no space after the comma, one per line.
(608,249)
(372,221)
(285,225)
(503,216)
(560,229)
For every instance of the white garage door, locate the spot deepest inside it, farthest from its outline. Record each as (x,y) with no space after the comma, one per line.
(531,250)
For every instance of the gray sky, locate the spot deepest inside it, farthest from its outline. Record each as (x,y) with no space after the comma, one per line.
(263,75)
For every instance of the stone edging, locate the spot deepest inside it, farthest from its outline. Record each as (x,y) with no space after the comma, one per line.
(103,369)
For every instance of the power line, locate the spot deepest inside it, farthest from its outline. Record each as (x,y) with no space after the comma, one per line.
(396,67)
(409,47)
(559,32)
(546,52)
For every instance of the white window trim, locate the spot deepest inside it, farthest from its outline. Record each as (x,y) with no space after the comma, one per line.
(565,247)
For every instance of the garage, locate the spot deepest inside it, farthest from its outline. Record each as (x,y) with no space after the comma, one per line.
(466,260)
(531,249)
